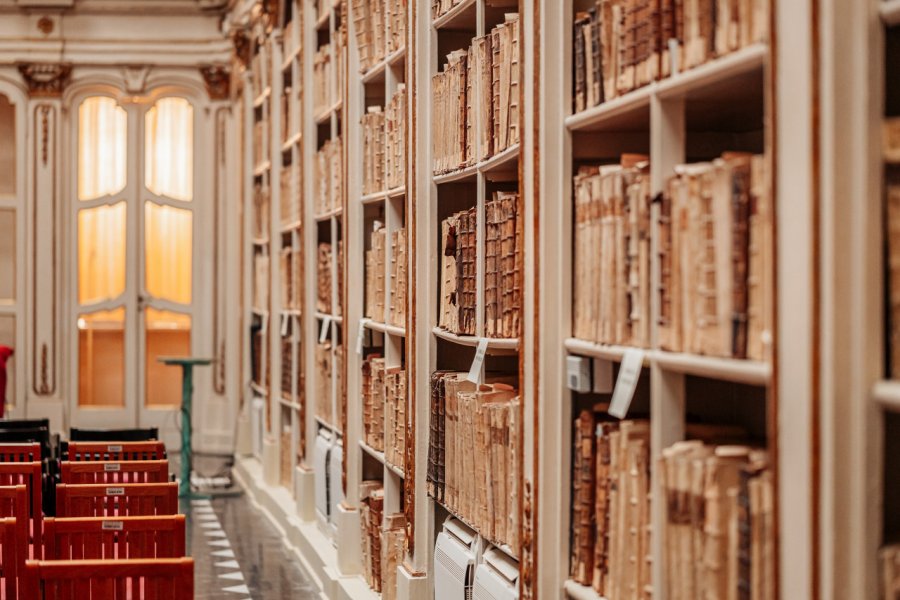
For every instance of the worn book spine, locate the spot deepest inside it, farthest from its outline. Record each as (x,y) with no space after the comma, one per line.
(583,488)
(581,62)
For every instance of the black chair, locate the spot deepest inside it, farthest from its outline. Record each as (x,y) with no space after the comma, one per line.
(114,435)
(49,444)
(25,424)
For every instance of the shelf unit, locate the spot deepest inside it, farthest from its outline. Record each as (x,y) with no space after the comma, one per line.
(689,116)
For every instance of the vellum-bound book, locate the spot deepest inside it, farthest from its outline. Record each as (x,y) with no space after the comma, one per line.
(891,149)
(399,278)
(375,273)
(393,541)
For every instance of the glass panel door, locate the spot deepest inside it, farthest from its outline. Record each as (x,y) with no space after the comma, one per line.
(134,231)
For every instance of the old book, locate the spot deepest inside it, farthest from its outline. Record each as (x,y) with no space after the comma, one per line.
(324,289)
(482,81)
(399,278)
(392,552)
(373,126)
(395,416)
(583,492)
(375,275)
(395,138)
(448,317)
(581,61)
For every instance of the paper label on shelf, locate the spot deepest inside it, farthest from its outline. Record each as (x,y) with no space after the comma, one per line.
(115,491)
(112,467)
(475,371)
(629,373)
(360,335)
(285,321)
(326,327)
(114,448)
(112,526)
(264,329)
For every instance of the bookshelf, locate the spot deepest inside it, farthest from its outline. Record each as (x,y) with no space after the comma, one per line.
(685,116)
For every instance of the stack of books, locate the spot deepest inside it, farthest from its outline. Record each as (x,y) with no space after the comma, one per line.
(458,272)
(399,278)
(323,279)
(373,124)
(473,465)
(397,18)
(375,274)
(395,139)
(395,415)
(369,24)
(329,177)
(371,517)
(502,273)
(373,405)
(611,260)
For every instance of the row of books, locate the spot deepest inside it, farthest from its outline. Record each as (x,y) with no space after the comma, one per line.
(324,287)
(442,7)
(473,446)
(621,45)
(384,145)
(261,281)
(380,29)
(329,361)
(720,522)
(261,67)
(611,260)
(287,369)
(715,249)
(611,506)
(260,150)
(329,183)
(383,391)
(287,101)
(261,215)
(376,272)
(290,202)
(478,90)
(383,540)
(891,151)
(502,278)
(328,75)
(291,262)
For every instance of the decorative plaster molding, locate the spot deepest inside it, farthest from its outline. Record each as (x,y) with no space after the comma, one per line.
(241,41)
(45,80)
(217,79)
(527,541)
(45,132)
(136,79)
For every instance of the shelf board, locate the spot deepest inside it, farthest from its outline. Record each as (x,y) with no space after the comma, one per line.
(397,57)
(262,168)
(289,143)
(469,173)
(725,67)
(493,344)
(289,403)
(260,241)
(259,389)
(503,547)
(322,21)
(887,394)
(594,350)
(326,425)
(890,12)
(379,456)
(626,112)
(289,227)
(461,16)
(373,198)
(260,312)
(395,470)
(290,58)
(749,372)
(332,213)
(260,100)
(576,591)
(291,312)
(384,328)
(397,192)
(376,73)
(322,316)
(504,161)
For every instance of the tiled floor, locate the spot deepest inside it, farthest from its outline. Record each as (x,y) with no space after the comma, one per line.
(238,554)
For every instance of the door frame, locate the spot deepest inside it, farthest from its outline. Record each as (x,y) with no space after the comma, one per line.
(134,412)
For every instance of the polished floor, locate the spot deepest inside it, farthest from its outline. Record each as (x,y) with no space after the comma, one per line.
(239,554)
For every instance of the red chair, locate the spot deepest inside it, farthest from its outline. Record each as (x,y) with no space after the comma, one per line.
(13,503)
(119,538)
(24,452)
(27,474)
(122,500)
(141,579)
(118,451)
(10,563)
(109,472)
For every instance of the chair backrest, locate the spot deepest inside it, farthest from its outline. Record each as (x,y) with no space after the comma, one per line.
(11,563)
(121,451)
(27,474)
(102,471)
(139,579)
(120,538)
(20,452)
(14,503)
(113,435)
(121,500)
(25,424)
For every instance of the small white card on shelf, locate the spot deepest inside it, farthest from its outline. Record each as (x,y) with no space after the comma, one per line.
(360,335)
(629,373)
(264,329)
(326,327)
(285,321)
(475,371)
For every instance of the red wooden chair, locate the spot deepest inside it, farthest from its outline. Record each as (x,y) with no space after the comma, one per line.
(10,563)
(24,452)
(107,472)
(119,538)
(14,503)
(123,500)
(116,451)
(141,579)
(27,474)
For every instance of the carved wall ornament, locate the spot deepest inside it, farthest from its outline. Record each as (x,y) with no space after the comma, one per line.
(45,132)
(527,552)
(217,79)
(241,42)
(136,78)
(46,79)
(46,25)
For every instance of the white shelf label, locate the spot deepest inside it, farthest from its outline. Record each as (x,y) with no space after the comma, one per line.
(285,321)
(360,335)
(629,373)
(326,327)
(112,526)
(264,329)
(112,467)
(115,491)
(475,371)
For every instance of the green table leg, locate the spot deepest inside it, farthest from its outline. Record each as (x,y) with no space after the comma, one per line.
(187,395)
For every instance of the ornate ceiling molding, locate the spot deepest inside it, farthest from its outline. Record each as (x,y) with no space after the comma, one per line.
(217,79)
(45,80)
(241,42)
